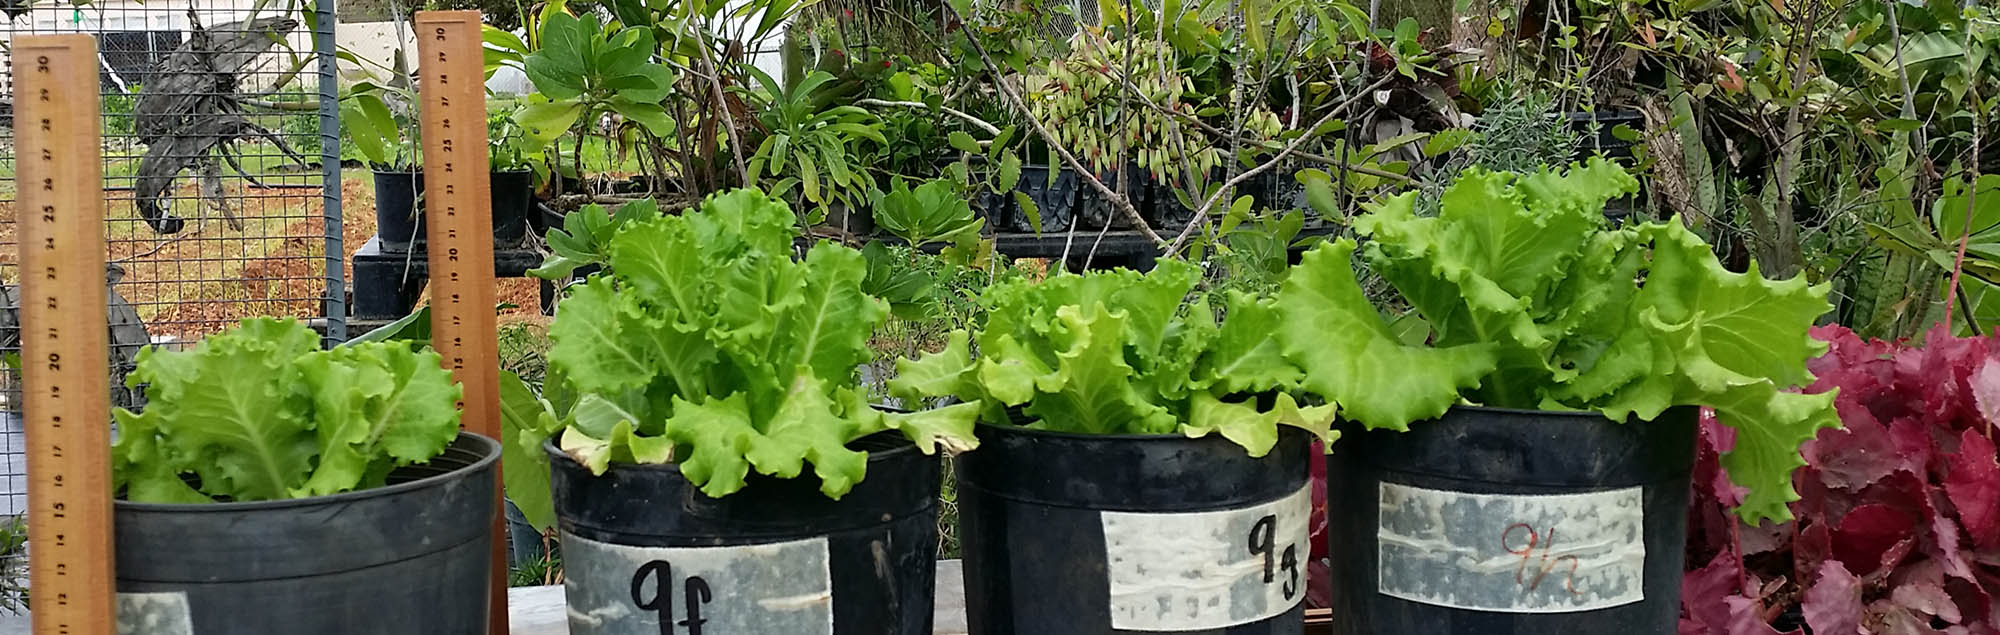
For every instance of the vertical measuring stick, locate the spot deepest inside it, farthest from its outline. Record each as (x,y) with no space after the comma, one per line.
(458,208)
(63,340)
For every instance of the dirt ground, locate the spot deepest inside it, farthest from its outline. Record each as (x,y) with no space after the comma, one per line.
(212,274)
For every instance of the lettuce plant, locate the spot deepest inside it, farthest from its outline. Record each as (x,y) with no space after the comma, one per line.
(708,345)
(1533,302)
(260,413)
(1118,352)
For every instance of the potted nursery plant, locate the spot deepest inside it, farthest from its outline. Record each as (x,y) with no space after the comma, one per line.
(388,142)
(718,465)
(513,179)
(1519,462)
(1142,466)
(272,487)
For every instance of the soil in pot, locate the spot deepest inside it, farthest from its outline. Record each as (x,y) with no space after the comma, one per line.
(646,552)
(513,205)
(1588,516)
(413,558)
(398,215)
(1073,534)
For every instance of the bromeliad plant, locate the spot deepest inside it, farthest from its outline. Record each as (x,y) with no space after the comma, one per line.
(261,413)
(1532,302)
(706,344)
(1118,352)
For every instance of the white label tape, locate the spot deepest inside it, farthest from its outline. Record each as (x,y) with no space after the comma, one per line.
(1512,553)
(1207,570)
(781,587)
(154,614)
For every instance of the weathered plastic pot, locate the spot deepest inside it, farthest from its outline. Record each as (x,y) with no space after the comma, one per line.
(399,218)
(1094,210)
(414,557)
(1054,200)
(1509,521)
(645,552)
(513,205)
(1073,534)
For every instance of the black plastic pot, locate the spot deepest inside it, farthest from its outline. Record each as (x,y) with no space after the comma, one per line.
(1090,534)
(399,218)
(1605,141)
(1055,200)
(1094,210)
(413,558)
(513,205)
(854,221)
(646,552)
(1509,521)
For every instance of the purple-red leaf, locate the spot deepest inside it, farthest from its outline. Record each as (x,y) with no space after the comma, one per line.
(1927,599)
(1867,533)
(1833,605)
(1974,487)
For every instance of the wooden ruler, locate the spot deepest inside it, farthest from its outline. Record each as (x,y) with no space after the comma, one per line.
(60,178)
(458,208)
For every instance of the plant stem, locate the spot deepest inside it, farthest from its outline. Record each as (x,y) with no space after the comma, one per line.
(722,105)
(975,121)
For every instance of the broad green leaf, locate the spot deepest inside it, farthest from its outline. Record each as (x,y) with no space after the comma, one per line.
(1247,356)
(1010,173)
(258,412)
(542,123)
(375,407)
(1257,430)
(1092,389)
(720,435)
(1351,358)
(946,373)
(526,422)
(962,141)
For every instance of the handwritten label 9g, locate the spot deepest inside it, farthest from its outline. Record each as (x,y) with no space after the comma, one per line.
(1207,570)
(769,588)
(1512,553)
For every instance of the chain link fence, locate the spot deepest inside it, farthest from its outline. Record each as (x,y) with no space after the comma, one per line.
(221,177)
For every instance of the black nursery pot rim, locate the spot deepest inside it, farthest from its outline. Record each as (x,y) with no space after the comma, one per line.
(898,446)
(489,449)
(1015,428)
(1533,412)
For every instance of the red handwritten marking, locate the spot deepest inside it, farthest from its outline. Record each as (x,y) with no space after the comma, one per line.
(1547,542)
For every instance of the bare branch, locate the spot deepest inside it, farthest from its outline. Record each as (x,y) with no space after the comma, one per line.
(975,121)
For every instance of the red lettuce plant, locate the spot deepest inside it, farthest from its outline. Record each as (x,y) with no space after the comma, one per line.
(1897,528)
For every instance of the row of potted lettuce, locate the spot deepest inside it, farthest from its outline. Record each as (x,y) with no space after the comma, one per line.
(1513,451)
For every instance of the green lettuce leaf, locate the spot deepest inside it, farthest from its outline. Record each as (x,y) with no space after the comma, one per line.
(707,343)
(1119,352)
(258,412)
(1351,358)
(1548,308)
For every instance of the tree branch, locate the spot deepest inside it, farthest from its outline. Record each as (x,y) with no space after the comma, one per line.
(975,121)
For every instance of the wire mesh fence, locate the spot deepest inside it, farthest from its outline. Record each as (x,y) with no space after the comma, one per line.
(221,173)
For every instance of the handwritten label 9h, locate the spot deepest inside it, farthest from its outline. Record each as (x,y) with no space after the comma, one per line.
(1512,553)
(780,587)
(1207,570)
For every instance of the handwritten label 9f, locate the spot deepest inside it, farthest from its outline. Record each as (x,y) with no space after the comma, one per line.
(660,601)
(1512,553)
(1206,570)
(768,588)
